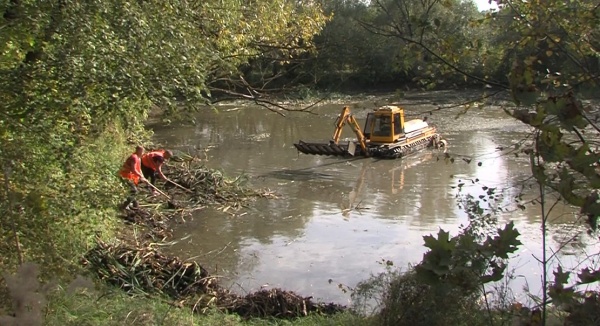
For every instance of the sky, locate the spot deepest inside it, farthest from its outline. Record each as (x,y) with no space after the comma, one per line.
(484,5)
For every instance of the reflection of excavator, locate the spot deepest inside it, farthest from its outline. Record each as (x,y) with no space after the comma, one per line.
(400,169)
(385,135)
(396,177)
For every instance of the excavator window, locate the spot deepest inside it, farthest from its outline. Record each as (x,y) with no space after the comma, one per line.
(397,127)
(368,125)
(383,126)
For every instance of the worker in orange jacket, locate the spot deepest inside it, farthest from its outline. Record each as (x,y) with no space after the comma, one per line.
(152,163)
(131,172)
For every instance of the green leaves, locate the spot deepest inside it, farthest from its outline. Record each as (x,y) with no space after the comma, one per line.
(461,261)
(522,83)
(588,275)
(560,294)
(505,242)
(399,41)
(75,72)
(439,259)
(567,109)
(442,242)
(580,306)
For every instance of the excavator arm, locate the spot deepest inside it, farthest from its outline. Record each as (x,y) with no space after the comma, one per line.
(346,117)
(359,135)
(340,122)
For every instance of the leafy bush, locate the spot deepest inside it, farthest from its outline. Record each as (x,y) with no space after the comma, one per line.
(410,301)
(55,206)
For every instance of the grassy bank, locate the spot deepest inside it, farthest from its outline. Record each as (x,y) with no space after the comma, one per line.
(109,306)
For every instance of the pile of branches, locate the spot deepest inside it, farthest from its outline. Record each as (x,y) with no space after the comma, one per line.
(279,304)
(138,267)
(207,186)
(156,221)
(146,270)
(196,187)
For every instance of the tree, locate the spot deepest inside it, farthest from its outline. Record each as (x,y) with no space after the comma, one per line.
(383,43)
(554,68)
(79,77)
(550,52)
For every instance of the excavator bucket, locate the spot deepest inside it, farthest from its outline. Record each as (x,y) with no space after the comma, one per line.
(330,148)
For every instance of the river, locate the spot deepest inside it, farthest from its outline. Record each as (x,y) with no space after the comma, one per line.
(335,220)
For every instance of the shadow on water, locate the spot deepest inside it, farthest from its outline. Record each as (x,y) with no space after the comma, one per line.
(308,173)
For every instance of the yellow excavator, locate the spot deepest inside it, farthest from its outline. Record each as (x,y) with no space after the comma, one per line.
(386,134)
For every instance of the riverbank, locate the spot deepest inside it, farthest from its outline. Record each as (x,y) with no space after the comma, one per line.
(131,271)
(136,265)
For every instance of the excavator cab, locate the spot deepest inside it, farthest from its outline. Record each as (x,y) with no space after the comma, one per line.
(385,125)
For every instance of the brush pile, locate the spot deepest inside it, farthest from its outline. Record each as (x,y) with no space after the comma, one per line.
(279,304)
(155,221)
(136,266)
(201,187)
(145,270)
(208,187)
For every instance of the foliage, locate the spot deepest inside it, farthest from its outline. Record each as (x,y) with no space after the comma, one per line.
(554,63)
(58,209)
(151,52)
(583,307)
(368,297)
(461,259)
(413,302)
(78,81)
(349,53)
(389,42)
(474,257)
(446,287)
(435,33)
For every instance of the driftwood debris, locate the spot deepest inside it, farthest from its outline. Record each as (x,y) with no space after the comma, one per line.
(146,270)
(135,264)
(198,187)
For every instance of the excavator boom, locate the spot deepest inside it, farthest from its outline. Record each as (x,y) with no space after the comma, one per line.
(360,136)
(346,118)
(339,124)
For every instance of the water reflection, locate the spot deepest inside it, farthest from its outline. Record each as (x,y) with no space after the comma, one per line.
(337,218)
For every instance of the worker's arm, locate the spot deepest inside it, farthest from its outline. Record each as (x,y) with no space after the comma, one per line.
(137,170)
(141,176)
(157,162)
(160,173)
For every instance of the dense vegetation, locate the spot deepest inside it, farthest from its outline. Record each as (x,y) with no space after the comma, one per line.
(78,82)
(79,79)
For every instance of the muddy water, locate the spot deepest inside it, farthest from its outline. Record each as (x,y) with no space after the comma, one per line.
(336,220)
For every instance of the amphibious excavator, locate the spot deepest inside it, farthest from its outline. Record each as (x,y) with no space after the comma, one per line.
(386,134)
